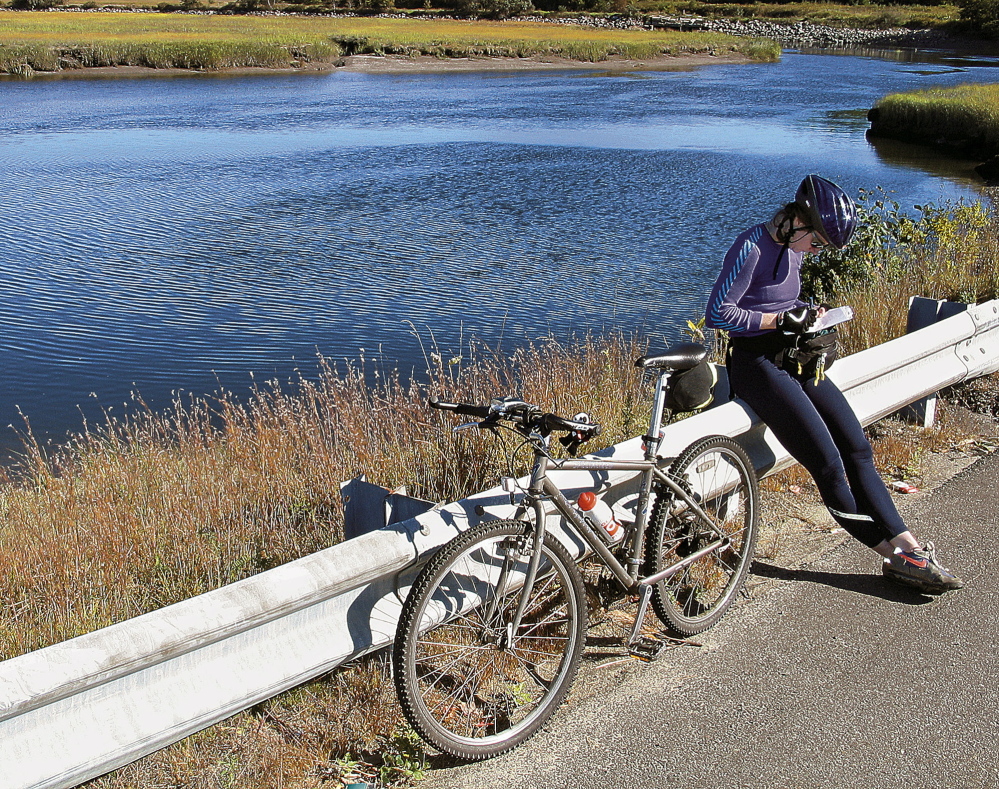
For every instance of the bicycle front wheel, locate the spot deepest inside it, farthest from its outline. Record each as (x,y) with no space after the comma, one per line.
(719,476)
(468,684)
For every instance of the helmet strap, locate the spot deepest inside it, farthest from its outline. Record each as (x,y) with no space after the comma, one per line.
(784,231)
(780,257)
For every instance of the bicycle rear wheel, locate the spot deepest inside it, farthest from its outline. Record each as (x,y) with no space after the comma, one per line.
(720,477)
(467,684)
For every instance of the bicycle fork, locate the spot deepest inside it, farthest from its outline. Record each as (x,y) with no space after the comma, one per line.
(513,551)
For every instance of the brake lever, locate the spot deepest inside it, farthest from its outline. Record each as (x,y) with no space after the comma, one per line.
(571,442)
(486,424)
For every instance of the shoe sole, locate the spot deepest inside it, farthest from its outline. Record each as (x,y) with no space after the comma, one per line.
(921,586)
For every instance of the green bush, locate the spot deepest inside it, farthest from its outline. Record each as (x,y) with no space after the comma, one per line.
(981,15)
(949,250)
(184,5)
(493,9)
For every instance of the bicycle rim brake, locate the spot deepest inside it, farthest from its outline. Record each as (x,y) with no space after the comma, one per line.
(716,473)
(467,683)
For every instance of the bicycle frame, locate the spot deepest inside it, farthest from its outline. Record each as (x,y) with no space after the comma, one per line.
(542,489)
(491,635)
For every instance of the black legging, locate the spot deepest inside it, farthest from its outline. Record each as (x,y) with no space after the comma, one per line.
(817,426)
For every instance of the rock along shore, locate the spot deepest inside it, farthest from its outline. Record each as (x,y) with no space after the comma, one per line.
(799,35)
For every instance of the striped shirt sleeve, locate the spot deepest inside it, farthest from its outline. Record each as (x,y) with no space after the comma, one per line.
(723,311)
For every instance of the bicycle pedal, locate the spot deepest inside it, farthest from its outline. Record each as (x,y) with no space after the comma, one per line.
(647,649)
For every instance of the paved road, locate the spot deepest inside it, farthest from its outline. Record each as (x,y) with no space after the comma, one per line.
(832,677)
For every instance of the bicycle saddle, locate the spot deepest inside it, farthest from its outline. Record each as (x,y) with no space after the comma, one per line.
(680,357)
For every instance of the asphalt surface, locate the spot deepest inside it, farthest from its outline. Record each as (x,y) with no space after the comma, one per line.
(829,676)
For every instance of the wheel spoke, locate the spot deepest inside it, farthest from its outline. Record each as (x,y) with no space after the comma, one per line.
(462,686)
(715,473)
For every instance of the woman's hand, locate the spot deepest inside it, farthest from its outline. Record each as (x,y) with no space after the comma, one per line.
(797,321)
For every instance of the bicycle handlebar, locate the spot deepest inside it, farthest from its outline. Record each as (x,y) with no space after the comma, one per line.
(467,409)
(522,414)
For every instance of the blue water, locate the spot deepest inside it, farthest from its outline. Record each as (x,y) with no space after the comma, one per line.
(181,234)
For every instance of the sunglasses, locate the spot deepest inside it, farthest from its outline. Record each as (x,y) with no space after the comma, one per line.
(817,242)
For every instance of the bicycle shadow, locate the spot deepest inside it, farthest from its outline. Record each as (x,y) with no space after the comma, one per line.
(862,583)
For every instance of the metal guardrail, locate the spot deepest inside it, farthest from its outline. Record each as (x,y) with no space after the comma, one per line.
(78,709)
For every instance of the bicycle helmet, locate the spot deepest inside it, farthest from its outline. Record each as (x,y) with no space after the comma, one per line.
(827,209)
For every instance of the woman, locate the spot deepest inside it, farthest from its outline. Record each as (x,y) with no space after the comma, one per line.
(756,300)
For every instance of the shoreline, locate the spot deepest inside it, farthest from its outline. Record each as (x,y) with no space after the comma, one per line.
(426,64)
(403,64)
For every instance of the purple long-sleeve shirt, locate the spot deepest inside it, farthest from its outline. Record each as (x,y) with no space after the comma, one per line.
(753,282)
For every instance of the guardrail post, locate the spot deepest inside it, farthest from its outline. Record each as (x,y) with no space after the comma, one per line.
(925,312)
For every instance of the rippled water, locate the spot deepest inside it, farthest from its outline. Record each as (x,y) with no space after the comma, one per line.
(181,234)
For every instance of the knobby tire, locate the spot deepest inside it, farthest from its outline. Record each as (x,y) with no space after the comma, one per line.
(462,687)
(722,479)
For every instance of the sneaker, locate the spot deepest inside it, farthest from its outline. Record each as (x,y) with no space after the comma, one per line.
(921,569)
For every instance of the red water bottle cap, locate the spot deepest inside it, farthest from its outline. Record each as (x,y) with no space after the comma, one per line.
(587,500)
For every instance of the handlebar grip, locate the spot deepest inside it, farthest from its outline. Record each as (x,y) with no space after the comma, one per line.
(466,409)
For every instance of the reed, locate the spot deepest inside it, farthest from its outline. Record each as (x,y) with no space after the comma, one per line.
(49,41)
(965,115)
(153,508)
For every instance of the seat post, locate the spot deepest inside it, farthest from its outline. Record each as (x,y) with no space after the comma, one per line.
(652,438)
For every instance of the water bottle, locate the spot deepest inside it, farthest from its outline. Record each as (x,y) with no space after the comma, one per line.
(599,513)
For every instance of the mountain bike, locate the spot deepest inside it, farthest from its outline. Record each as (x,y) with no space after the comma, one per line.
(492,632)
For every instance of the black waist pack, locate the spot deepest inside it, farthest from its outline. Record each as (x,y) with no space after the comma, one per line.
(810,355)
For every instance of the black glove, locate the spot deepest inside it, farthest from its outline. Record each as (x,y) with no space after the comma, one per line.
(796,321)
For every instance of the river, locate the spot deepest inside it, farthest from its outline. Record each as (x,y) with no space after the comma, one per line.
(182,234)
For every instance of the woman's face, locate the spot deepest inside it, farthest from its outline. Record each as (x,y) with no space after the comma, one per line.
(804,239)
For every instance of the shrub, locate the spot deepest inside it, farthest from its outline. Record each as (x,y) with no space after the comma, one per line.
(981,15)
(949,252)
(494,9)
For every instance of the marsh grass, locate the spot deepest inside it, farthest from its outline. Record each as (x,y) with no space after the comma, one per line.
(966,115)
(49,41)
(152,508)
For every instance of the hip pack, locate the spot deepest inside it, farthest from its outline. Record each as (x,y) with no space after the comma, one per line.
(811,354)
(803,355)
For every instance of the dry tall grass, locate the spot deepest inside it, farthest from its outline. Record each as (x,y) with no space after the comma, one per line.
(154,508)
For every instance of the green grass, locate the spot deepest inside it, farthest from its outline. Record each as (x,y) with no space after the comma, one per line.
(966,114)
(48,40)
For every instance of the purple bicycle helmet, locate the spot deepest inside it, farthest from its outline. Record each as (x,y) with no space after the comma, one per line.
(828,210)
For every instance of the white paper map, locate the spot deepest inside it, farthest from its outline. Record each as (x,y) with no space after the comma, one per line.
(831,318)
